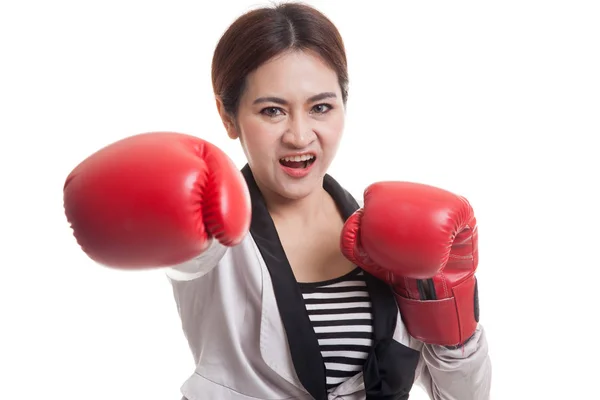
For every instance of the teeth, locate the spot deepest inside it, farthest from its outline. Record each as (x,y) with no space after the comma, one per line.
(304,157)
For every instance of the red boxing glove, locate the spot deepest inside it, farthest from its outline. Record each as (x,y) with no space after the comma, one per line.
(422,241)
(155,200)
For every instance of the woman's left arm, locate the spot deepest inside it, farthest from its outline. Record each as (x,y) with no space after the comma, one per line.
(457,373)
(423,242)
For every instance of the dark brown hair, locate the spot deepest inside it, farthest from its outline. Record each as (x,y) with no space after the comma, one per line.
(260,34)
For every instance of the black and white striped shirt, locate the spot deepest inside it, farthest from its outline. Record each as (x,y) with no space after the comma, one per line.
(340,312)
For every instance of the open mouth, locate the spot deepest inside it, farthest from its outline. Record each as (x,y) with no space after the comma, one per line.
(303,161)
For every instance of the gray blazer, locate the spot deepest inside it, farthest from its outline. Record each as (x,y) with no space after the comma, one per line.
(244,319)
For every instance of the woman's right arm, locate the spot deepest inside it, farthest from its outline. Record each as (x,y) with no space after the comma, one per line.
(198,266)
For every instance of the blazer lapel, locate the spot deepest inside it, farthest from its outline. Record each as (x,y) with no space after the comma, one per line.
(302,340)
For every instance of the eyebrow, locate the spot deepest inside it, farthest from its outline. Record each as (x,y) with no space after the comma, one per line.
(278,100)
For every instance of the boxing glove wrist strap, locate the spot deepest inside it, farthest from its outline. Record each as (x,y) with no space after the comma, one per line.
(448,322)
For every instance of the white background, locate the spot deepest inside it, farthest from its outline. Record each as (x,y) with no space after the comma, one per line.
(499,101)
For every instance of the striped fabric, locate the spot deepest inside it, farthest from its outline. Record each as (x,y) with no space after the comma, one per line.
(340,312)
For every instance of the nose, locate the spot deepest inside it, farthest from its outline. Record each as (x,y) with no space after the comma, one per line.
(299,133)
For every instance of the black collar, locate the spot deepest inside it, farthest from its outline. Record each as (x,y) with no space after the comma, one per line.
(301,337)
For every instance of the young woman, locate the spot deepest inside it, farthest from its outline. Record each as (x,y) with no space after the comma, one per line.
(286,287)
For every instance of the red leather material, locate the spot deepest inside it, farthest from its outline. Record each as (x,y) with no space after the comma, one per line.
(353,250)
(456,283)
(155,200)
(448,322)
(409,228)
(423,241)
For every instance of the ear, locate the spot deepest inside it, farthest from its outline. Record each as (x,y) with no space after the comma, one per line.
(227,119)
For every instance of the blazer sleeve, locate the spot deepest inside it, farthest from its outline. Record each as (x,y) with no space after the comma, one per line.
(464,373)
(199,266)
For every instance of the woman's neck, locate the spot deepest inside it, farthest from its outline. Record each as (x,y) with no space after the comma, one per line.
(303,211)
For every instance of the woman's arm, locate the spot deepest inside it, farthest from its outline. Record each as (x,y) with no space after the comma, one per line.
(463,373)
(199,266)
(423,242)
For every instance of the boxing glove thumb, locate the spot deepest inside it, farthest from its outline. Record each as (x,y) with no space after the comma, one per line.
(352,249)
(226,201)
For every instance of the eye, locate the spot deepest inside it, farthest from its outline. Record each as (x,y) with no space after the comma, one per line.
(321,108)
(271,111)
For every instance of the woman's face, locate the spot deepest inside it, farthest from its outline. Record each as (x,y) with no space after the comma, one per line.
(290,121)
